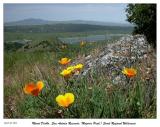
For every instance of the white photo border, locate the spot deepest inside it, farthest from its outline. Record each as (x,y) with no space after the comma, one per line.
(29,122)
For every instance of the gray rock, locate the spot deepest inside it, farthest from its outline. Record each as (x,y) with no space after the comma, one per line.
(114,57)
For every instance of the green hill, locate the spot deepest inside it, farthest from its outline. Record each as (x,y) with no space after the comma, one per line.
(64,28)
(44,45)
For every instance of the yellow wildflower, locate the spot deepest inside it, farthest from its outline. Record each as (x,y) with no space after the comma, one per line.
(65,100)
(66,73)
(78,67)
(71,68)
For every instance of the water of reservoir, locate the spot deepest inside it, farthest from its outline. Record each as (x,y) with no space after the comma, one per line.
(91,38)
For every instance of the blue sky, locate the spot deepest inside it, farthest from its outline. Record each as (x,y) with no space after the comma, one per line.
(62,12)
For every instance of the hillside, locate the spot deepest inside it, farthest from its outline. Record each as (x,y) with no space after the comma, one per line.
(100,87)
(30,46)
(64,28)
(44,45)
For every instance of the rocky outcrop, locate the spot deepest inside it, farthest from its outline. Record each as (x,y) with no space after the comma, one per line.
(115,56)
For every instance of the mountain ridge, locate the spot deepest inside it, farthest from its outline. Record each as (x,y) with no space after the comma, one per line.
(36,21)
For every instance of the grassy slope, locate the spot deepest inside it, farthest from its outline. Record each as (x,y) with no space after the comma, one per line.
(48,32)
(95,96)
(10,36)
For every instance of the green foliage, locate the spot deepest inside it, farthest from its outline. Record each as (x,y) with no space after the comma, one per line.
(53,44)
(12,46)
(91,101)
(144,17)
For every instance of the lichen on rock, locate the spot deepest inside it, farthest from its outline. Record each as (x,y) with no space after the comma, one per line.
(125,52)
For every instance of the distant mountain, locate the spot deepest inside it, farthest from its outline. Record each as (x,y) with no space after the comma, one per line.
(98,23)
(30,21)
(33,21)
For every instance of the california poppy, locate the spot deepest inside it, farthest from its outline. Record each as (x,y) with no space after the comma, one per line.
(33,89)
(66,73)
(64,61)
(129,72)
(65,100)
(78,67)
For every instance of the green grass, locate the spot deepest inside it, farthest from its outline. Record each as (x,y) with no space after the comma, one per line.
(95,95)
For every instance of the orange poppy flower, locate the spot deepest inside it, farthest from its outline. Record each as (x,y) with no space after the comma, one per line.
(129,72)
(33,89)
(64,61)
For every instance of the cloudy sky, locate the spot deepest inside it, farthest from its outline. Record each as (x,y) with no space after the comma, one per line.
(61,12)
